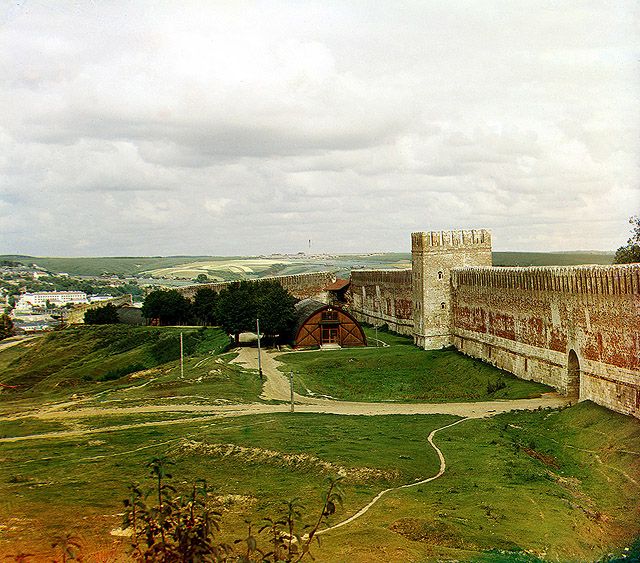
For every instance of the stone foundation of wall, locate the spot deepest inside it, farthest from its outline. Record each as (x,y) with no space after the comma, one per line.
(76,315)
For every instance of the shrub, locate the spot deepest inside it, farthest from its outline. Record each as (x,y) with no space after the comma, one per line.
(493,386)
(117,373)
(180,528)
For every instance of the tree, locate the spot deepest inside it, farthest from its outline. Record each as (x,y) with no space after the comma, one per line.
(168,306)
(204,306)
(167,527)
(105,315)
(6,327)
(240,304)
(202,278)
(236,308)
(275,309)
(630,252)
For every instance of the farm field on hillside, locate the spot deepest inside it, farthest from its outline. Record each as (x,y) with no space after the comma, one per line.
(561,485)
(401,372)
(240,267)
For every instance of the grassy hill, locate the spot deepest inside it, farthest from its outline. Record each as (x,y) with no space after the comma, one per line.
(132,363)
(404,373)
(523,486)
(238,267)
(551,258)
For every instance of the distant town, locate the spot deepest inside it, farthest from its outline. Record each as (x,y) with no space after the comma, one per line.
(40,293)
(38,299)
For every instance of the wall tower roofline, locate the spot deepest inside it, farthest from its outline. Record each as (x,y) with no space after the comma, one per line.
(433,241)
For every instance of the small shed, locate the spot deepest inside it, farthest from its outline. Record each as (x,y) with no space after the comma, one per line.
(337,291)
(319,324)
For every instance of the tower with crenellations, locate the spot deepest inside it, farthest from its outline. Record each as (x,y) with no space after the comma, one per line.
(434,254)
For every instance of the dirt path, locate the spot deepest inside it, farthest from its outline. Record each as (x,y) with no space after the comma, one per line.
(465,410)
(276,385)
(441,470)
(14,340)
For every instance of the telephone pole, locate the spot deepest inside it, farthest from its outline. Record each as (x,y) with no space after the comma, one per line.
(181,358)
(259,357)
(291,387)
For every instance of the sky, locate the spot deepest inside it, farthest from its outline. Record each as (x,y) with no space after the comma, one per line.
(249,127)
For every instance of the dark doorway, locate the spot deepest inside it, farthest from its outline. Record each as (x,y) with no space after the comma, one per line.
(329,335)
(573,376)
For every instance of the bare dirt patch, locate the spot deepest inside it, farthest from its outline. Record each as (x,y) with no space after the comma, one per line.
(298,462)
(548,460)
(429,531)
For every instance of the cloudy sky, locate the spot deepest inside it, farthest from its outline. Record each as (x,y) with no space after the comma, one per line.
(241,127)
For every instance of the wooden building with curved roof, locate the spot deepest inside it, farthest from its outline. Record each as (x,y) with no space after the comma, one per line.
(319,324)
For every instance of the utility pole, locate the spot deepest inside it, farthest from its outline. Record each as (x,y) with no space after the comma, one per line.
(291,387)
(181,358)
(259,358)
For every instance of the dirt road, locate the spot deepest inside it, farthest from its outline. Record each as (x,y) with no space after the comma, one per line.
(276,387)
(14,340)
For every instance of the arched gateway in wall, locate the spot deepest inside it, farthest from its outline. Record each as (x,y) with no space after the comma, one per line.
(573,375)
(319,324)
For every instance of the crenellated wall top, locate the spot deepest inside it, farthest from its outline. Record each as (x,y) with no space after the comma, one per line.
(363,277)
(607,280)
(447,240)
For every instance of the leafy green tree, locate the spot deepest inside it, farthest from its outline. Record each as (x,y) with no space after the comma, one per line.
(202,278)
(236,308)
(275,309)
(631,252)
(105,315)
(204,306)
(240,304)
(168,306)
(6,327)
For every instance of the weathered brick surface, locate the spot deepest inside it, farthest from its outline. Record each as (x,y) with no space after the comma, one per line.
(575,328)
(300,286)
(528,320)
(434,254)
(382,297)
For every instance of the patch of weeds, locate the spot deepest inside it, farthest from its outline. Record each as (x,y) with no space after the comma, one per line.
(117,373)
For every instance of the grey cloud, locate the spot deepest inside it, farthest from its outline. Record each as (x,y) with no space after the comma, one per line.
(188,128)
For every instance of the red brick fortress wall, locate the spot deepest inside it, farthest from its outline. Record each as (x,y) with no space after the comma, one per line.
(574,328)
(382,297)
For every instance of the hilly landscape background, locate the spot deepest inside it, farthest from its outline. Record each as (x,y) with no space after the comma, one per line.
(247,267)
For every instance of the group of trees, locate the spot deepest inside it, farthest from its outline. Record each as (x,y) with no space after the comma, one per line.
(235,308)
(631,251)
(107,314)
(6,327)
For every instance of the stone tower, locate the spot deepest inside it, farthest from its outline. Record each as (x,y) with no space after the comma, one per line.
(434,254)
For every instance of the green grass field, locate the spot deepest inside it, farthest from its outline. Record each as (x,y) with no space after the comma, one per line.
(559,485)
(403,373)
(124,365)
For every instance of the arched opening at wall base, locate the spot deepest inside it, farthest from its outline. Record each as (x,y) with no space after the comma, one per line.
(573,376)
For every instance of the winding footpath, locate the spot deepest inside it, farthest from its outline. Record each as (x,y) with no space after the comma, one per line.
(276,388)
(364,509)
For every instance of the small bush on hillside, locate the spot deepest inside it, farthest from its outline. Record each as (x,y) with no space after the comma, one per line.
(493,386)
(170,528)
(117,373)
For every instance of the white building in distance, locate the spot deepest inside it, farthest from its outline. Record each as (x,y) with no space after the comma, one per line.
(40,299)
